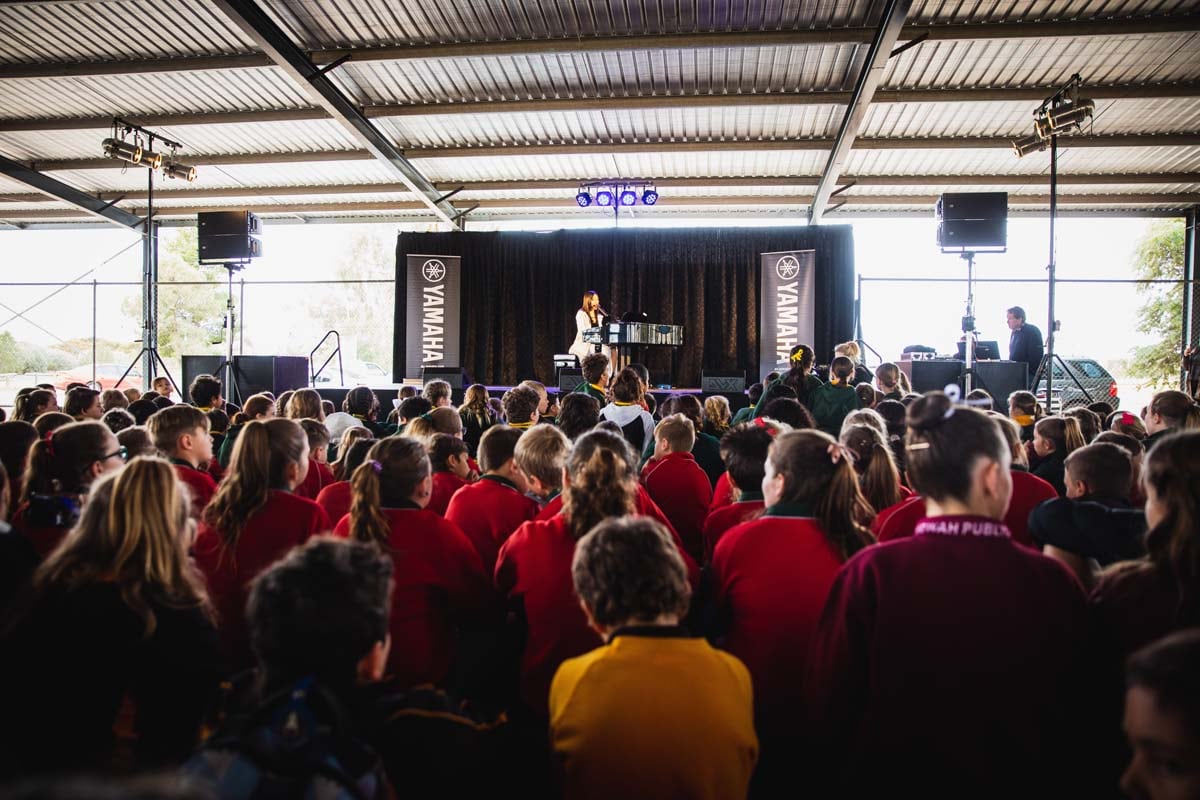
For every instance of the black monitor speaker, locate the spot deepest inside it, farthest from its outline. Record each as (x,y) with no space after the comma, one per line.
(970,220)
(274,374)
(722,382)
(569,379)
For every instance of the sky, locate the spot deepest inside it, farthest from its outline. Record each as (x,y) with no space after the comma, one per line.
(1097,320)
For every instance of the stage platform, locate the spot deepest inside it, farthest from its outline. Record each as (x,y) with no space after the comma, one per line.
(390,392)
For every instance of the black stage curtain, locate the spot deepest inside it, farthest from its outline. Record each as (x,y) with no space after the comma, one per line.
(520,292)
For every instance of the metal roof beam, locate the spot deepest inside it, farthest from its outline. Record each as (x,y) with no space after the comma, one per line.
(256,24)
(203,193)
(61,191)
(988,30)
(613,103)
(568,204)
(890,23)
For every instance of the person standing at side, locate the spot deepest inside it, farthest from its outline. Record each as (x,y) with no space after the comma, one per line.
(1026,343)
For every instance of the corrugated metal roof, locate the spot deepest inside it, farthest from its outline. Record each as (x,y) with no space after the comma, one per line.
(929,11)
(627,165)
(995,162)
(340,23)
(612,73)
(759,122)
(130,29)
(149,93)
(1042,62)
(257,137)
(213,176)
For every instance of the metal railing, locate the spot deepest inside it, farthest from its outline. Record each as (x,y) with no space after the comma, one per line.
(337,351)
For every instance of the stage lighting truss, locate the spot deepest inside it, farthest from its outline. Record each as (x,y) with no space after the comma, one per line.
(1061,114)
(133,144)
(616,194)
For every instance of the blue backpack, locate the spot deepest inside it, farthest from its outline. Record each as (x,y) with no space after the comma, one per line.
(296,744)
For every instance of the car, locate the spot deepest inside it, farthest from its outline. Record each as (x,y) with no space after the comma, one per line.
(1083,382)
(107,376)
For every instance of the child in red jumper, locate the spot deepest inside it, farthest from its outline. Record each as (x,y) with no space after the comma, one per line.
(319,473)
(489,510)
(540,455)
(676,483)
(180,433)
(336,497)
(438,578)
(955,647)
(534,565)
(744,451)
(772,574)
(253,521)
(451,461)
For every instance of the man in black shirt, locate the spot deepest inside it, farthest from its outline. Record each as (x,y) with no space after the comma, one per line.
(1026,342)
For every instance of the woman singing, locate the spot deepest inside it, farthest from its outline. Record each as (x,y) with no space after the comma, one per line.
(588,316)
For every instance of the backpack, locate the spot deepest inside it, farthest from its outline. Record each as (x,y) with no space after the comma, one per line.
(296,744)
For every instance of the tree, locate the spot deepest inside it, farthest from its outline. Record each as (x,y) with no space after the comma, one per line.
(190,318)
(1160,257)
(361,312)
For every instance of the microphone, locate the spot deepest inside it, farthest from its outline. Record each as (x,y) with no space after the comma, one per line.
(603,313)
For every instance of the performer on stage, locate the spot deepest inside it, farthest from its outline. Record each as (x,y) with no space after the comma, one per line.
(1026,342)
(588,316)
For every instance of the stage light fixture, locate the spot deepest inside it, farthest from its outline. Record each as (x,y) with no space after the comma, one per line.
(123,151)
(174,169)
(628,197)
(152,159)
(1068,115)
(583,199)
(1030,144)
(649,197)
(604,197)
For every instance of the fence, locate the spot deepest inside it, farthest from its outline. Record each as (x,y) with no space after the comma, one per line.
(1100,321)
(90,331)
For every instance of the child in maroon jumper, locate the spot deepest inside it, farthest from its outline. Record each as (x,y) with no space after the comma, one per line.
(772,574)
(744,451)
(336,497)
(438,578)
(489,510)
(181,434)
(676,483)
(451,470)
(62,466)
(950,662)
(253,520)
(319,474)
(540,455)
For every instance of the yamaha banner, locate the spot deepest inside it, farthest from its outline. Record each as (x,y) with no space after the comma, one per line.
(787,308)
(432,318)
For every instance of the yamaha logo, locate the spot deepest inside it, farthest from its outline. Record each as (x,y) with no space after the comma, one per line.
(433,270)
(787,267)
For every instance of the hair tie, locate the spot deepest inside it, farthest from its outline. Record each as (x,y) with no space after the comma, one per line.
(49,440)
(1127,418)
(427,416)
(762,423)
(837,452)
(919,446)
(375,465)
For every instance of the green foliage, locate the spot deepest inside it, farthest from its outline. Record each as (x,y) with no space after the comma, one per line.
(1160,257)
(24,357)
(190,318)
(360,312)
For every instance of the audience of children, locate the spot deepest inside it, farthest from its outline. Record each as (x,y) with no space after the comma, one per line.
(949,657)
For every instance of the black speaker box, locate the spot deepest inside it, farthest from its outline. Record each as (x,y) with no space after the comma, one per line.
(722,383)
(972,219)
(1000,379)
(228,223)
(229,248)
(927,376)
(194,366)
(451,375)
(569,378)
(275,374)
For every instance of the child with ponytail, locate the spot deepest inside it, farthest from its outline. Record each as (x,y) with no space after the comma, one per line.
(1168,412)
(892,383)
(956,646)
(1055,438)
(771,574)
(438,577)
(876,468)
(534,564)
(62,466)
(253,521)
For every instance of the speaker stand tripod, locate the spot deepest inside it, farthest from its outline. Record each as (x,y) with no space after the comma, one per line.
(232,372)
